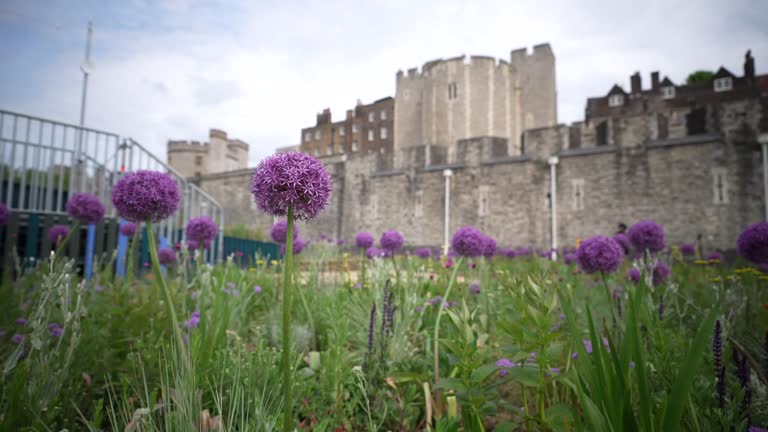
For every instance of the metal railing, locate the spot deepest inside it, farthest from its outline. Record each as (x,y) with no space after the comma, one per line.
(43,162)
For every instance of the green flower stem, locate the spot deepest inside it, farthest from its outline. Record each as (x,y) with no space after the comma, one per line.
(130,271)
(287,363)
(436,340)
(166,293)
(611,305)
(362,269)
(60,248)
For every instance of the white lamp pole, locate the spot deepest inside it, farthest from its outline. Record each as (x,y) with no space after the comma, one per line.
(86,67)
(763,140)
(447,173)
(553,161)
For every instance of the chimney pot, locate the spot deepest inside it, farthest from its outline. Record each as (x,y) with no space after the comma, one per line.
(636,83)
(655,80)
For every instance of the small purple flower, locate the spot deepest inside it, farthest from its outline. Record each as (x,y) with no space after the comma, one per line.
(436,300)
(55,330)
(474,288)
(194,320)
(715,256)
(587,345)
(128,229)
(634,275)
(201,229)
(660,273)
(555,370)
(571,258)
(291,180)
(647,235)
(507,252)
(753,243)
(86,208)
(599,254)
(358,285)
(364,240)
(632,364)
(688,249)
(489,247)
(257,289)
(5,214)
(469,242)
(298,246)
(505,363)
(98,288)
(21,321)
(423,252)
(279,231)
(339,242)
(391,241)
(166,255)
(419,309)
(17,338)
(146,196)
(57,233)
(373,252)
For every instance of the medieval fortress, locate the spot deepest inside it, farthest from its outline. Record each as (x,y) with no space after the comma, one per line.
(475,141)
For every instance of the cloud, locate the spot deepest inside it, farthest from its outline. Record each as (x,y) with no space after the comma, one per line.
(262,70)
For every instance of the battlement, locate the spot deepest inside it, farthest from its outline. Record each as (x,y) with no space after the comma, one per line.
(187,145)
(435,66)
(238,143)
(540,51)
(217,133)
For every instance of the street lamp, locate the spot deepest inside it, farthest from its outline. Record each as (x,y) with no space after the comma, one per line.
(763,140)
(447,173)
(553,161)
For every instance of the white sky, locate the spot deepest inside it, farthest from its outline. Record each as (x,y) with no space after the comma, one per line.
(263,69)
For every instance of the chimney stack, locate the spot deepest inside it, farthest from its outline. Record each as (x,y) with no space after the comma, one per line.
(655,80)
(636,83)
(749,65)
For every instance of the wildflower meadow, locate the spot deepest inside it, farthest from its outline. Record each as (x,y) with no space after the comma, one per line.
(620,332)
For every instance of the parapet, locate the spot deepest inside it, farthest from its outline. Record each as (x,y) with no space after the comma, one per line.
(185,145)
(217,133)
(238,143)
(521,55)
(434,66)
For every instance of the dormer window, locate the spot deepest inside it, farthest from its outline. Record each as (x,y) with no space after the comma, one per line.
(668,92)
(616,100)
(723,84)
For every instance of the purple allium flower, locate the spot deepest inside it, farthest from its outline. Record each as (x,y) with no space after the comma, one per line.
(647,235)
(201,229)
(192,245)
(17,338)
(58,233)
(128,229)
(474,288)
(298,246)
(423,252)
(468,241)
(194,320)
(660,273)
(21,321)
(391,241)
(5,214)
(143,196)
(688,249)
(291,180)
(522,250)
(753,243)
(507,252)
(86,208)
(715,256)
(166,255)
(489,247)
(623,241)
(55,330)
(279,231)
(634,275)
(373,252)
(364,240)
(571,258)
(599,254)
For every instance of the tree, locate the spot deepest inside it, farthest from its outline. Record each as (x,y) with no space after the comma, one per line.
(699,76)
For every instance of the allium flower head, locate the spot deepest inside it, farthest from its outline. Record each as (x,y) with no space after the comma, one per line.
(279,231)
(647,235)
(57,233)
(391,241)
(423,252)
(5,214)
(599,254)
(508,252)
(474,288)
(86,208)
(364,240)
(715,256)
(291,180)
(571,258)
(201,229)
(128,229)
(166,255)
(374,252)
(143,196)
(660,273)
(468,241)
(192,245)
(489,247)
(623,241)
(688,249)
(753,243)
(634,275)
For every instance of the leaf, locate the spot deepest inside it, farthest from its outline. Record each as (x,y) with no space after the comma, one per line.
(482,373)
(686,374)
(454,384)
(527,376)
(559,417)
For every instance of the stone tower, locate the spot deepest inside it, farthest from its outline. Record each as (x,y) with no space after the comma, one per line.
(461,98)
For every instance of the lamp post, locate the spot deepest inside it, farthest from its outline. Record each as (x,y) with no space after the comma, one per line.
(87,68)
(553,161)
(763,140)
(447,173)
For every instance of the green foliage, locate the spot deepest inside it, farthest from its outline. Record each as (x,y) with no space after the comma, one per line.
(699,76)
(243,231)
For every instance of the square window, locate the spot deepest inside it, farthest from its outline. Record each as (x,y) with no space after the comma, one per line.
(723,84)
(616,100)
(668,92)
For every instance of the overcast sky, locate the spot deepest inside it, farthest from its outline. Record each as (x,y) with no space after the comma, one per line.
(261,70)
